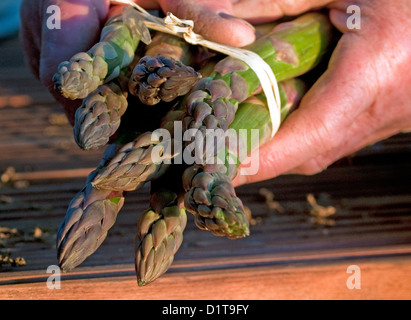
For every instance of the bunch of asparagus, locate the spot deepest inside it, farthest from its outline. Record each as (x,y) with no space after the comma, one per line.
(120,76)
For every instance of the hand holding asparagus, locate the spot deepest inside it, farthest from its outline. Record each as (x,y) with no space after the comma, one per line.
(205,191)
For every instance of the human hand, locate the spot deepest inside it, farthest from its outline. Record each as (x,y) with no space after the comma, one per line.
(81,21)
(362,98)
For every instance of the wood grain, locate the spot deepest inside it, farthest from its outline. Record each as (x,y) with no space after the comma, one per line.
(379,280)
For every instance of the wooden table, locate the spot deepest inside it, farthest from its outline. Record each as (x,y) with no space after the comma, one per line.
(289,254)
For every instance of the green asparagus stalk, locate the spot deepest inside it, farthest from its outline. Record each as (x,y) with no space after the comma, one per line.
(160,229)
(263,29)
(254,114)
(90,215)
(99,115)
(291,49)
(174,47)
(210,196)
(85,71)
(163,73)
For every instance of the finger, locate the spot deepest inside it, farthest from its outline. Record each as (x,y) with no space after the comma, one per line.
(379,120)
(80,27)
(339,15)
(268,10)
(214,20)
(80,23)
(318,126)
(322,162)
(365,132)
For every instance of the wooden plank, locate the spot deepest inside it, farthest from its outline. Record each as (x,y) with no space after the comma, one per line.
(389,279)
(51,174)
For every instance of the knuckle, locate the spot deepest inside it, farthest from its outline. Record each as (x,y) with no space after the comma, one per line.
(314,166)
(325,135)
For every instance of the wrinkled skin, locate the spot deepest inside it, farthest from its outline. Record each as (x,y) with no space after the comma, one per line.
(362,98)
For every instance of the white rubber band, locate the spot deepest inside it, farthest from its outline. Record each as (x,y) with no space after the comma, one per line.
(184,28)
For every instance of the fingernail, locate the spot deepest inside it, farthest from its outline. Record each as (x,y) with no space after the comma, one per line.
(233,18)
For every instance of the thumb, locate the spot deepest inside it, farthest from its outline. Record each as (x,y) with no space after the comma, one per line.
(213,19)
(76,30)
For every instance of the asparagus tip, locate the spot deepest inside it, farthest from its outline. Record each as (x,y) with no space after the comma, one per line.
(141,283)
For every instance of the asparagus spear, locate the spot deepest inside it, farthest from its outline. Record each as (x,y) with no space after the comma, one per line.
(133,164)
(99,115)
(90,215)
(210,196)
(160,229)
(85,71)
(163,73)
